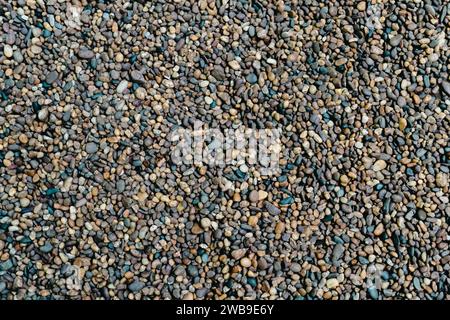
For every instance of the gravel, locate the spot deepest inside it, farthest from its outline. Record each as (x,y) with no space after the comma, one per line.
(93,206)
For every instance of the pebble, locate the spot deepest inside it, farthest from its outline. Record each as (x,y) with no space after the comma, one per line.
(85,53)
(234,65)
(402,124)
(91,147)
(272,209)
(205,223)
(136,286)
(254,196)
(446,87)
(395,40)
(379,230)
(246,262)
(8,51)
(123,85)
(251,78)
(373,293)
(332,283)
(51,77)
(379,165)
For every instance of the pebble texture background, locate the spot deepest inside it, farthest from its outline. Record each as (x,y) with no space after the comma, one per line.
(91,206)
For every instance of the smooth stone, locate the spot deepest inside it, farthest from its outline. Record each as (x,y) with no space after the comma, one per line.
(200,293)
(446,87)
(140,93)
(6,265)
(192,270)
(421,214)
(238,253)
(123,85)
(337,253)
(395,40)
(373,293)
(137,76)
(246,262)
(251,78)
(91,147)
(234,65)
(332,283)
(379,165)
(271,208)
(43,114)
(295,267)
(442,180)
(8,51)
(85,53)
(46,248)
(253,196)
(379,230)
(120,186)
(51,77)
(402,124)
(205,223)
(136,286)
(18,57)
(279,227)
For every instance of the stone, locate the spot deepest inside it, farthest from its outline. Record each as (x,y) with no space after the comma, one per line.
(137,76)
(205,223)
(51,77)
(234,65)
(332,283)
(272,209)
(123,85)
(253,196)
(446,87)
(442,180)
(85,53)
(91,147)
(251,78)
(246,262)
(8,51)
(395,40)
(402,124)
(378,230)
(279,227)
(379,165)
(238,253)
(136,286)
(46,248)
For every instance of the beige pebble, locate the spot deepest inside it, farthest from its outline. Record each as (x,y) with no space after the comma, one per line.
(441,180)
(234,65)
(119,57)
(140,93)
(205,223)
(344,180)
(279,227)
(402,124)
(379,165)
(332,283)
(8,51)
(379,230)
(253,221)
(23,138)
(361,6)
(196,229)
(262,195)
(246,262)
(36,49)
